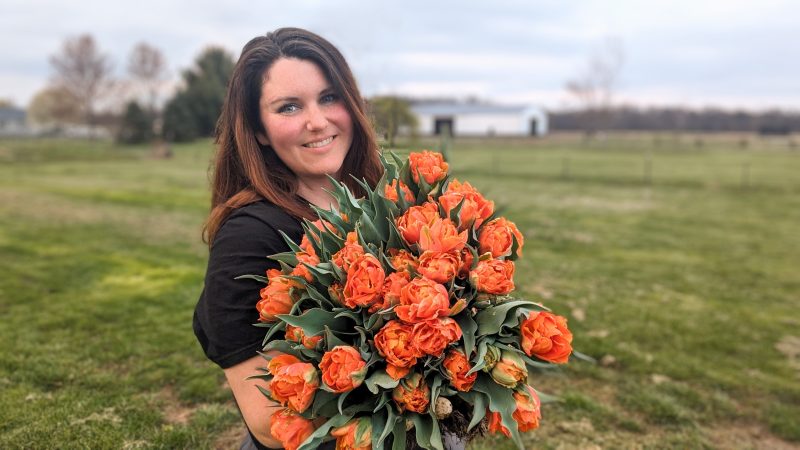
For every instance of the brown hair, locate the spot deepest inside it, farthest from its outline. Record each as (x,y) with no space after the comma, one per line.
(244,171)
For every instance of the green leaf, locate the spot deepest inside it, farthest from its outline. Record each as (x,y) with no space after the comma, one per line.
(479,402)
(391,420)
(427,431)
(318,436)
(321,400)
(278,326)
(399,434)
(341,399)
(380,379)
(313,321)
(252,277)
(547,398)
(479,360)
(491,319)
(292,245)
(379,422)
(501,400)
(528,361)
(468,329)
(285,257)
(331,340)
(583,357)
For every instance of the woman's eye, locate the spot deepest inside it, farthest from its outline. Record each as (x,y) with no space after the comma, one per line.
(288,108)
(329,98)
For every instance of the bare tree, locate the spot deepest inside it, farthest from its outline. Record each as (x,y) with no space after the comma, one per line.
(594,88)
(83,71)
(147,67)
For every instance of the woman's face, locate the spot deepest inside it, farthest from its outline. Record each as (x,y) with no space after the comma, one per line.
(306,122)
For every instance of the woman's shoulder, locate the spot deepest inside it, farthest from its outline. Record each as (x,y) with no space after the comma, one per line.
(255,225)
(260,215)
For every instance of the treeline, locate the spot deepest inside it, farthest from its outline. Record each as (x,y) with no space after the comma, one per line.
(676,119)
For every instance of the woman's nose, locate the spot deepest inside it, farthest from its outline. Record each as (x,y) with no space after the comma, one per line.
(316,118)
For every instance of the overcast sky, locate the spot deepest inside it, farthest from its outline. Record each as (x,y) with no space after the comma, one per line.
(734,54)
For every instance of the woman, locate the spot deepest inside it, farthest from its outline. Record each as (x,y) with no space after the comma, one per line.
(292,116)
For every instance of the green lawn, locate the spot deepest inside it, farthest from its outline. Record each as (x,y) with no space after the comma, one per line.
(676,263)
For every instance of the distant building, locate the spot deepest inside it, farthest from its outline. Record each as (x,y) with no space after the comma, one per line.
(12,121)
(479,119)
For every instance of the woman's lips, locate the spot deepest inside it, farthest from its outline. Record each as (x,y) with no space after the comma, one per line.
(321,143)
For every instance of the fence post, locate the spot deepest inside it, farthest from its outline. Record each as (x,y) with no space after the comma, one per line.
(565,167)
(648,168)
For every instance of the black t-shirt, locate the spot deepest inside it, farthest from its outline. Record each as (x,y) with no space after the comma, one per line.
(226,311)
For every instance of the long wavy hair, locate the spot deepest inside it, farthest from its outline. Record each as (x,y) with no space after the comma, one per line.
(245,171)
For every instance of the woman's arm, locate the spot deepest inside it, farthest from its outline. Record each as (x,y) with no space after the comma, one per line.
(256,409)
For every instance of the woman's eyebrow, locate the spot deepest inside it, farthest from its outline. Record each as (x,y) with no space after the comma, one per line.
(284,100)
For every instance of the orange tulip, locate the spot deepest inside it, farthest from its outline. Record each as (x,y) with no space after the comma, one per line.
(497,238)
(496,423)
(402,260)
(290,429)
(281,360)
(411,222)
(441,236)
(433,336)
(296,334)
(493,277)
(348,254)
(546,336)
(439,267)
(343,369)
(528,410)
(428,165)
(392,285)
(301,270)
(457,365)
(354,435)
(412,394)
(276,298)
(295,385)
(390,191)
(364,282)
(422,299)
(474,210)
(395,343)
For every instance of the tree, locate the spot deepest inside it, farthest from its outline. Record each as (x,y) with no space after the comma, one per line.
(147,67)
(594,87)
(54,105)
(137,125)
(391,113)
(194,110)
(83,71)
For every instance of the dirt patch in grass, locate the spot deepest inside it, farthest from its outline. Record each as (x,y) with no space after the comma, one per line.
(230,438)
(737,436)
(790,347)
(174,411)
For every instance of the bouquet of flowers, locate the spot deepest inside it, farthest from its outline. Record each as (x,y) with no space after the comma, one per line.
(393,316)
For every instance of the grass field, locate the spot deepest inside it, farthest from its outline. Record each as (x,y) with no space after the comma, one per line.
(676,261)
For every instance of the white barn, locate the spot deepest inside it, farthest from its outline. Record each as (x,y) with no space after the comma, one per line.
(480,119)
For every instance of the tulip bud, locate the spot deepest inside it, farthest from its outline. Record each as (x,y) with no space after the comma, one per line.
(510,370)
(355,435)
(491,357)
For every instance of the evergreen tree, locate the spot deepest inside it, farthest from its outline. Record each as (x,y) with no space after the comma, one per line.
(137,125)
(194,110)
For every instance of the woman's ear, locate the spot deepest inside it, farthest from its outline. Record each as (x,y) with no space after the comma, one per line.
(262,139)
